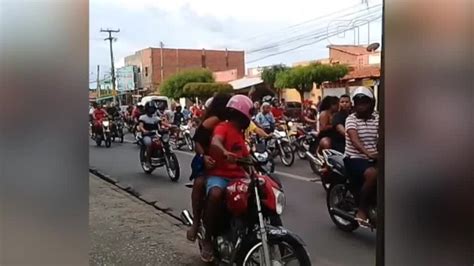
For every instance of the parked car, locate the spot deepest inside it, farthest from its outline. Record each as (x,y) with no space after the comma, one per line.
(293,110)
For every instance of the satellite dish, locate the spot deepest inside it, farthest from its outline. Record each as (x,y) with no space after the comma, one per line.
(373,46)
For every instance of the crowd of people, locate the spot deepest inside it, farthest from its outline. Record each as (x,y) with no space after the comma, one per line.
(346,124)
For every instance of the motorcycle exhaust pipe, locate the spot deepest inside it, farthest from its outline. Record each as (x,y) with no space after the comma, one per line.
(186,218)
(344,215)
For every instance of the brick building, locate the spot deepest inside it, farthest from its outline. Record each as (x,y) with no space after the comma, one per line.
(157,64)
(353,55)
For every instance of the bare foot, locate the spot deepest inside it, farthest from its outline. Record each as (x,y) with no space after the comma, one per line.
(192,233)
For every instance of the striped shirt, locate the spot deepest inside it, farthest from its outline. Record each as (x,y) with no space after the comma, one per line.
(368,135)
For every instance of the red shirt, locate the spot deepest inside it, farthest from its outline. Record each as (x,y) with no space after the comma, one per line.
(99,114)
(136,113)
(277,113)
(197,112)
(233,142)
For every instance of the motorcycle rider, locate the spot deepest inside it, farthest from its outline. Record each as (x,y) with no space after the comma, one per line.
(339,122)
(227,144)
(97,116)
(147,124)
(214,114)
(310,116)
(329,106)
(361,148)
(265,118)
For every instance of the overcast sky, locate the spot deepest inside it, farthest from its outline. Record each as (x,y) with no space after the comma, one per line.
(276,26)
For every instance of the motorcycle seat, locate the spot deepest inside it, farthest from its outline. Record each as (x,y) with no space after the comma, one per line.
(337,162)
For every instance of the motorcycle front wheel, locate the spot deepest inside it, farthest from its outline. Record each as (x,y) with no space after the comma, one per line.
(285,250)
(189,142)
(121,135)
(287,157)
(108,141)
(146,169)
(172,167)
(300,150)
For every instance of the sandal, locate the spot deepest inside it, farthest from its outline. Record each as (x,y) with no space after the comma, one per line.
(207,253)
(363,223)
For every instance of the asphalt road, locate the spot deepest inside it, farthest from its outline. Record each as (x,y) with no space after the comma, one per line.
(305,212)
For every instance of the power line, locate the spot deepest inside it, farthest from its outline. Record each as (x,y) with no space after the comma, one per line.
(301,23)
(318,39)
(308,35)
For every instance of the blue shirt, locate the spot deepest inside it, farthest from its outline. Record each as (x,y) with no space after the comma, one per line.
(265,121)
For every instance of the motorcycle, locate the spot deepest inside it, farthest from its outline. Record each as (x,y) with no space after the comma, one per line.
(289,126)
(343,194)
(183,137)
(316,160)
(279,145)
(162,155)
(103,133)
(253,234)
(117,129)
(304,137)
(259,151)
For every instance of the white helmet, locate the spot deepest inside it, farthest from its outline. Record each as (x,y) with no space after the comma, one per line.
(363,91)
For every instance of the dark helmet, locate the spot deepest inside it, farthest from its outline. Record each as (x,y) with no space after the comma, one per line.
(150,107)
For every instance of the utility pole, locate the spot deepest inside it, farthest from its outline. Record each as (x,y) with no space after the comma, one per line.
(110,39)
(161,63)
(98,81)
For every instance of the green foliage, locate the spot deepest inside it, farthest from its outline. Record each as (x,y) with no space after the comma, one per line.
(269,74)
(303,77)
(173,86)
(205,90)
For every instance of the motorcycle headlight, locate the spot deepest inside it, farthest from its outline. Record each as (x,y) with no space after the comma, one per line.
(290,124)
(105,123)
(280,201)
(165,137)
(261,157)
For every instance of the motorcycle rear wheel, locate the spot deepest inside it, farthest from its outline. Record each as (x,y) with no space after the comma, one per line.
(335,191)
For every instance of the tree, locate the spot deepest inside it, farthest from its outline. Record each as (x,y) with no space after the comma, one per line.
(173,86)
(205,90)
(269,76)
(302,78)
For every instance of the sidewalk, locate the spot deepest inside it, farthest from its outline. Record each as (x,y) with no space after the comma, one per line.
(125,231)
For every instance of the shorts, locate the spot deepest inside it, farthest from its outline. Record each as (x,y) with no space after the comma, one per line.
(147,141)
(356,168)
(216,181)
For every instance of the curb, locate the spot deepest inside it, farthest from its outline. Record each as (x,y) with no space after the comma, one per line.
(130,190)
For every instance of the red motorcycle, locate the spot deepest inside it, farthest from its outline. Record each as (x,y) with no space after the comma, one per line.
(250,228)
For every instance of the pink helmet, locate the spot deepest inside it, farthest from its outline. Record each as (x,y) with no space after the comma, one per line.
(241,103)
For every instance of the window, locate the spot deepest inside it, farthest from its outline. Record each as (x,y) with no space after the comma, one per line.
(146,71)
(138,70)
